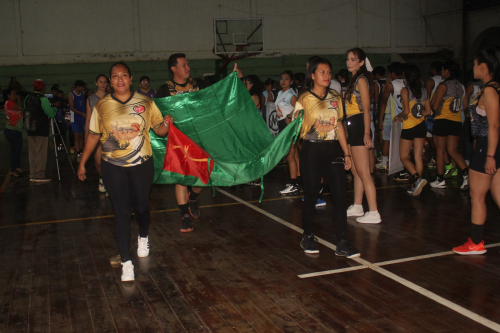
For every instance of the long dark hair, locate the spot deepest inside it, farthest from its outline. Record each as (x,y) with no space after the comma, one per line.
(257,85)
(453,68)
(413,80)
(290,74)
(313,66)
(361,55)
(491,57)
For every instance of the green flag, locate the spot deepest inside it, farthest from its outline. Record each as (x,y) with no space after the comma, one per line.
(223,120)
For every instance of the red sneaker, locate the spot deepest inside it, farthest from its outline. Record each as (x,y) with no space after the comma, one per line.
(470,248)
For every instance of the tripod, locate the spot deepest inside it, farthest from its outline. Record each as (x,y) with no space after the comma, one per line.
(52,124)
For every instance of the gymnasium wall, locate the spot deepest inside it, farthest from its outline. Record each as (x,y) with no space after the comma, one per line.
(60,41)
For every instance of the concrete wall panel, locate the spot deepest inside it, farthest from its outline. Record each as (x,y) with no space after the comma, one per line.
(374,23)
(408,23)
(94,31)
(74,27)
(8,26)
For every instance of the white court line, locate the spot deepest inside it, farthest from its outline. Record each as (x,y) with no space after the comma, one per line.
(384,263)
(467,313)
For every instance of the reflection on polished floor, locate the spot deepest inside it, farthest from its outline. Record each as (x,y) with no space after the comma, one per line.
(242,268)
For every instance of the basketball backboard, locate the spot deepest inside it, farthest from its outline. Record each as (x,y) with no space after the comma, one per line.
(238,36)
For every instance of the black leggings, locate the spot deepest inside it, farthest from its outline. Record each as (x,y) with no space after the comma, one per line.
(322,159)
(129,186)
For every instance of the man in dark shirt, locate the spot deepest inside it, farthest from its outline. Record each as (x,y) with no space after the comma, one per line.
(187,199)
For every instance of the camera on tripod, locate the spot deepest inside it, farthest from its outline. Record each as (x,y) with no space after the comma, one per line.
(54,99)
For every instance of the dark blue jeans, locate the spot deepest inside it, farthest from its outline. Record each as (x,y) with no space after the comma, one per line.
(15,139)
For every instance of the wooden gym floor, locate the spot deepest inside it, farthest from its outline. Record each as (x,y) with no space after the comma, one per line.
(241,269)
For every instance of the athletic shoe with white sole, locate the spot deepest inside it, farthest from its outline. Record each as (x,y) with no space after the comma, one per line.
(291,189)
(381,166)
(418,186)
(128,271)
(402,176)
(355,210)
(470,248)
(308,244)
(142,246)
(438,184)
(370,217)
(344,249)
(465,184)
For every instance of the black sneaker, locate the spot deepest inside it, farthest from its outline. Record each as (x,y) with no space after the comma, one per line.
(194,208)
(308,244)
(344,249)
(187,224)
(402,177)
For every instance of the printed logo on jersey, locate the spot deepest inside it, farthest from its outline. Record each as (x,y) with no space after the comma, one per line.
(334,104)
(139,109)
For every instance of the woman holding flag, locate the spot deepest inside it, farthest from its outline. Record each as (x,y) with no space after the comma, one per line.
(324,153)
(121,121)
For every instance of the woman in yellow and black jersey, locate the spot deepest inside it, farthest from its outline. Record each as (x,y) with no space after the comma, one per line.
(416,107)
(324,153)
(121,121)
(447,106)
(357,102)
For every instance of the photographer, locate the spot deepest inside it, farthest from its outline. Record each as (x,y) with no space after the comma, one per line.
(37,111)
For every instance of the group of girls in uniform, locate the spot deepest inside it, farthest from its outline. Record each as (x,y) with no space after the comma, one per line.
(336,136)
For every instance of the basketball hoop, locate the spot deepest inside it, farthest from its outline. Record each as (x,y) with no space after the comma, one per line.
(242,49)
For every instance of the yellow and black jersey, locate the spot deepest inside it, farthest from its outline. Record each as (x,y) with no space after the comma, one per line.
(175,88)
(124,128)
(321,115)
(417,109)
(451,105)
(353,105)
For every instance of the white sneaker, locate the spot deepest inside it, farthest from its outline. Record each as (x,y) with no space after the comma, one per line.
(465,184)
(290,189)
(355,210)
(142,246)
(381,166)
(128,271)
(438,184)
(370,217)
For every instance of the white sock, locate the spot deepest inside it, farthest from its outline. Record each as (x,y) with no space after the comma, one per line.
(385,159)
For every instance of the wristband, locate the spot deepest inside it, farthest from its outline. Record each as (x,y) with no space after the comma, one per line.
(492,156)
(367,133)
(347,155)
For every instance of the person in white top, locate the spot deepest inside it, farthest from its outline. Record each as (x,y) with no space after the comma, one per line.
(431,84)
(335,85)
(392,90)
(285,103)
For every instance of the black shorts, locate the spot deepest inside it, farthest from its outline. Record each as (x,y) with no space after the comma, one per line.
(419,131)
(445,127)
(356,130)
(281,125)
(479,156)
